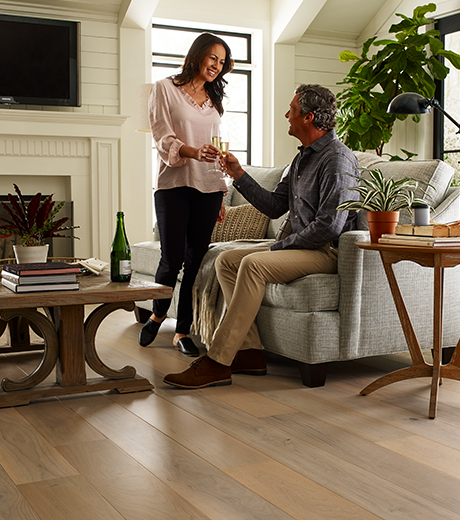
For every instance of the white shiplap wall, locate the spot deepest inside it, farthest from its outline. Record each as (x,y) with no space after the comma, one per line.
(99,67)
(318,62)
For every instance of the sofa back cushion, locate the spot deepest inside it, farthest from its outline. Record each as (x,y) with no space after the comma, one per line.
(266,177)
(434,172)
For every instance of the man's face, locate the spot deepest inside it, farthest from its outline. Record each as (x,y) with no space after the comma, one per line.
(295,118)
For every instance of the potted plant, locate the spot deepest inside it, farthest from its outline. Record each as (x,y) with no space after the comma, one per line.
(383,199)
(406,64)
(33,222)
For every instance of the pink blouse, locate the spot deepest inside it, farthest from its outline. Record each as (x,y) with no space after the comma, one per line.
(176,119)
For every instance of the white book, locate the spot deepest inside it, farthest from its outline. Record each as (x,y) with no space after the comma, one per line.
(18,288)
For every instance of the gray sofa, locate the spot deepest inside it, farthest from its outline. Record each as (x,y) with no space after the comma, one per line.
(322,318)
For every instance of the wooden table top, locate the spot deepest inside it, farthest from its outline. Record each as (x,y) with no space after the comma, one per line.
(374,246)
(93,289)
(423,255)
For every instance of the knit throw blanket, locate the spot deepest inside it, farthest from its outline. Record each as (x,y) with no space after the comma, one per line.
(208,307)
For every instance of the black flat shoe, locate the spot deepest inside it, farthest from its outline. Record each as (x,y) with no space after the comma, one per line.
(149,332)
(187,347)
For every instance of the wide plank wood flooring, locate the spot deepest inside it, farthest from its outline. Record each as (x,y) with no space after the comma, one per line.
(263,448)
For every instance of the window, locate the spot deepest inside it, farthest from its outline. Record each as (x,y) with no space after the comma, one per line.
(446,144)
(170,44)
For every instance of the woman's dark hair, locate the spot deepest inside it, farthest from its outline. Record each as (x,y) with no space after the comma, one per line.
(192,64)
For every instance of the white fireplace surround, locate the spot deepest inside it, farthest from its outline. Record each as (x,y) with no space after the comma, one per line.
(77,157)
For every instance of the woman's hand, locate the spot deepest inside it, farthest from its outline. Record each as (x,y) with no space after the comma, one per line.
(207,153)
(221,216)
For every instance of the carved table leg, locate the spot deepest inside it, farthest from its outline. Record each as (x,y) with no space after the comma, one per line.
(91,325)
(50,353)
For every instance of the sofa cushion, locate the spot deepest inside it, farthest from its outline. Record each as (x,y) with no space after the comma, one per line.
(266,177)
(434,172)
(145,257)
(312,293)
(241,222)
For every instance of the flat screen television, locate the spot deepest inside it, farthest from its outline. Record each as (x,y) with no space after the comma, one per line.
(39,61)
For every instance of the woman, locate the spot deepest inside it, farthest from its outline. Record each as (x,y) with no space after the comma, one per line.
(188,196)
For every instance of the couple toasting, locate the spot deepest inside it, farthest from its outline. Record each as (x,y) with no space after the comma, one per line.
(188,201)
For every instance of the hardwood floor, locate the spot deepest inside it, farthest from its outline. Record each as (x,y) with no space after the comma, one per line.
(262,448)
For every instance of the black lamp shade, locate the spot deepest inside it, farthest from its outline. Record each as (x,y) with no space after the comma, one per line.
(409,103)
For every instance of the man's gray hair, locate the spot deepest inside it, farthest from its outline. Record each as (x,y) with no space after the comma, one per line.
(321,102)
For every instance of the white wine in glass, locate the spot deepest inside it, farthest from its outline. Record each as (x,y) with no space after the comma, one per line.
(224,146)
(215,141)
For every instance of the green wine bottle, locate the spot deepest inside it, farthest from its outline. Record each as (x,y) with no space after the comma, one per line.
(120,255)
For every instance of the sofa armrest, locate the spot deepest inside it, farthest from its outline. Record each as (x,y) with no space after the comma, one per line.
(449,209)
(350,270)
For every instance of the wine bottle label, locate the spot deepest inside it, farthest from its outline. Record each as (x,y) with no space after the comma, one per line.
(125,267)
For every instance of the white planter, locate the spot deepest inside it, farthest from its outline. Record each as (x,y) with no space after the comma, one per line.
(31,254)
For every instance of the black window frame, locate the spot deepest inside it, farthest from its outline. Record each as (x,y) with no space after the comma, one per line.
(236,70)
(445,26)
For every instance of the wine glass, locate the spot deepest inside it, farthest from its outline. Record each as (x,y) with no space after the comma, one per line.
(215,141)
(224,145)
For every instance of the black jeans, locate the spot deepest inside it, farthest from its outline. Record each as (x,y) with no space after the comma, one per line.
(186,219)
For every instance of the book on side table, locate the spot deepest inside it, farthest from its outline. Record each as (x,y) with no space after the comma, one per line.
(419,241)
(51,276)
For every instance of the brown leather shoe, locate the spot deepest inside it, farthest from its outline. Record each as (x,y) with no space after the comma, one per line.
(251,362)
(203,372)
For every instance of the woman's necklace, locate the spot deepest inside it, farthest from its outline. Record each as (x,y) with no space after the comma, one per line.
(194,88)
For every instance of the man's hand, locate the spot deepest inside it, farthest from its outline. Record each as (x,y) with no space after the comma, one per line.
(233,167)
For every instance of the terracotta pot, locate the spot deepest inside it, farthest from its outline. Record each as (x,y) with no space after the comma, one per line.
(381,222)
(30,254)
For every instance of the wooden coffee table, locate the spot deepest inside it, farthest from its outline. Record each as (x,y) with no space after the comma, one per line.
(69,339)
(438,258)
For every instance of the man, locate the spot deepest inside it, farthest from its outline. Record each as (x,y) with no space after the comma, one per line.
(311,192)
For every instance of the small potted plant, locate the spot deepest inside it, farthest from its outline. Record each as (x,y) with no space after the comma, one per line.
(33,222)
(383,199)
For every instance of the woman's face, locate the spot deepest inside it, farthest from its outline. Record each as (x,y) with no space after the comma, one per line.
(212,63)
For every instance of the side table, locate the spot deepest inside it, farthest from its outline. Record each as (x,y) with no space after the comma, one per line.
(438,258)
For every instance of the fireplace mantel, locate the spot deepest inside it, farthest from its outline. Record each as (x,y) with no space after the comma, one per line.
(83,150)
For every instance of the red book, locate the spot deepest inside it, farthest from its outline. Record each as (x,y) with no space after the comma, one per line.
(41,268)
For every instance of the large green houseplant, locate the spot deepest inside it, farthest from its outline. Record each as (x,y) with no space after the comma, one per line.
(34,221)
(383,199)
(406,64)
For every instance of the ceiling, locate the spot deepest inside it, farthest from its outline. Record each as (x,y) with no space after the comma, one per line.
(344,19)
(337,19)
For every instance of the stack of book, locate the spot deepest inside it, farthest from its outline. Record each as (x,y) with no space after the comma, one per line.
(420,241)
(49,276)
(434,235)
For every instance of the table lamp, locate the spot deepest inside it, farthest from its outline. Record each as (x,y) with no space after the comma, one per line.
(413,103)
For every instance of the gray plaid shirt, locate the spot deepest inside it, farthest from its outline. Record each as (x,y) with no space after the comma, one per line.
(311,191)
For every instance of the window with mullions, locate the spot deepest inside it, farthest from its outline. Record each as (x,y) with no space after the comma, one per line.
(170,44)
(446,144)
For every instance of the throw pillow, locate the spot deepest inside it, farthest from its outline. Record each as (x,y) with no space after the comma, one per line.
(241,222)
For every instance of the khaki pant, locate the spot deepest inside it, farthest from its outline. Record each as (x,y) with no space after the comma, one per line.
(242,275)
